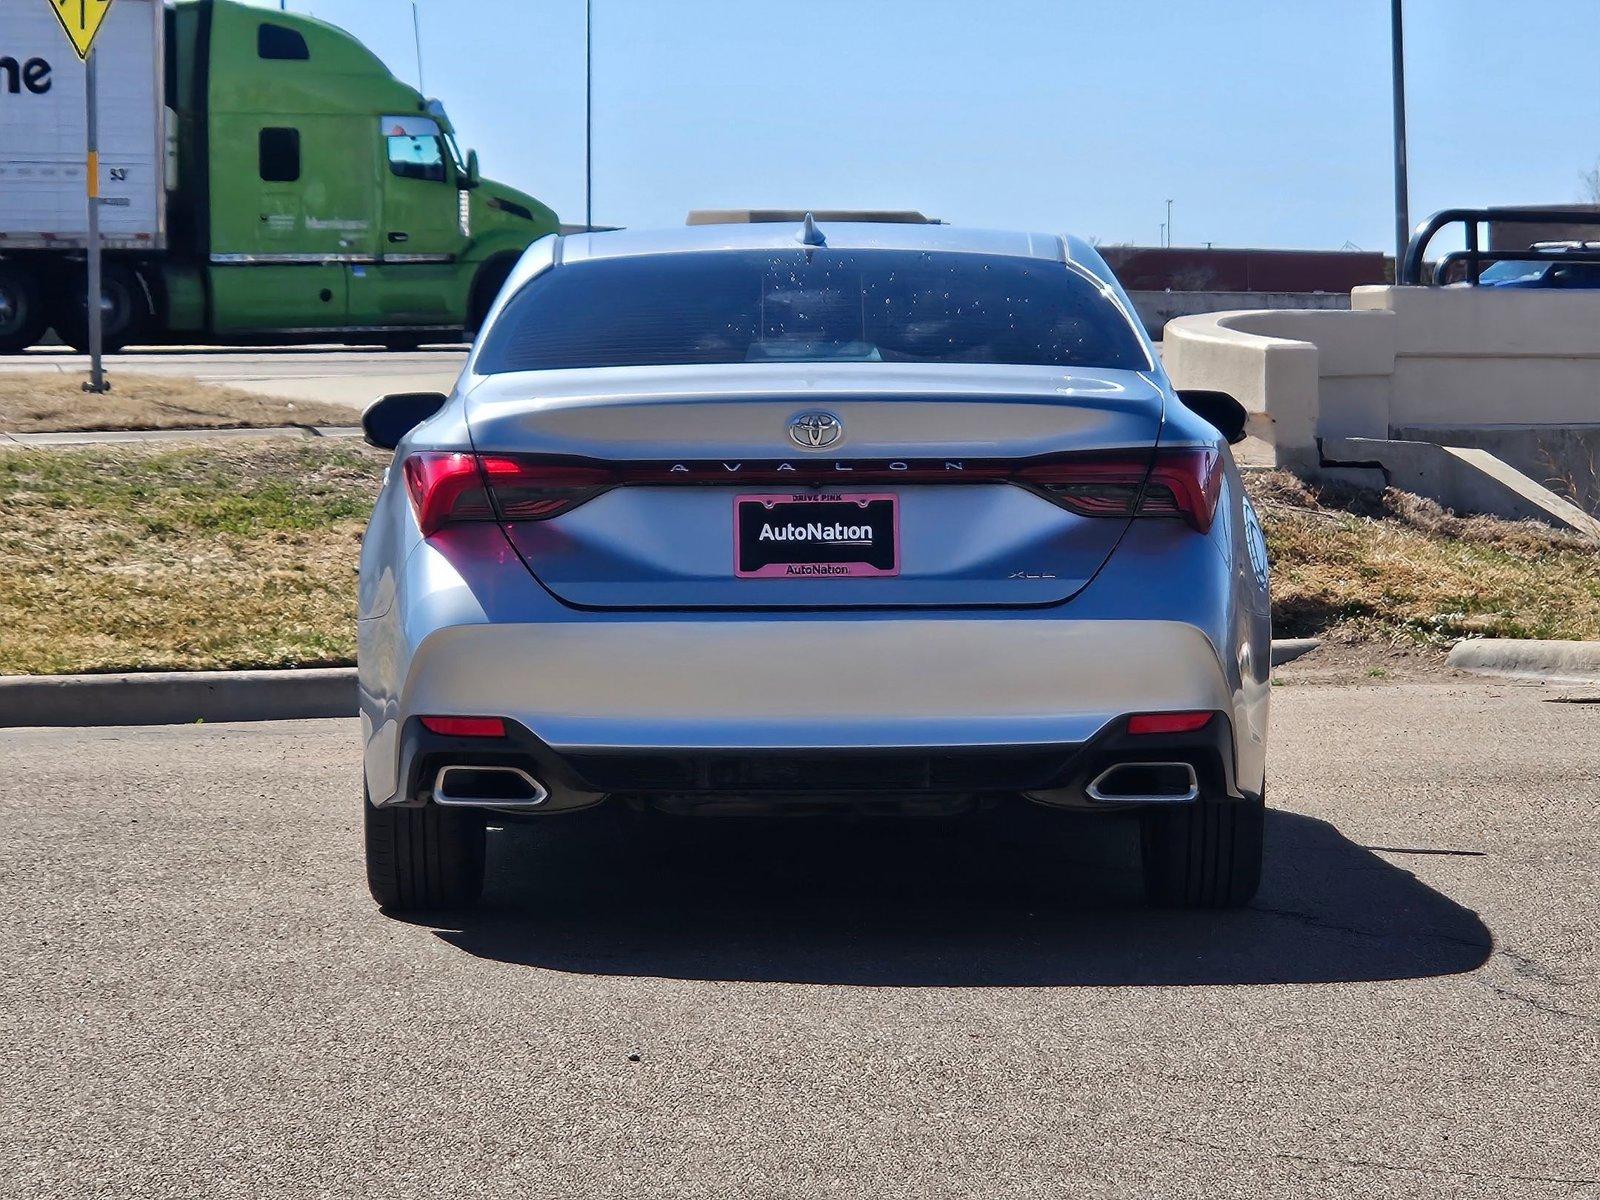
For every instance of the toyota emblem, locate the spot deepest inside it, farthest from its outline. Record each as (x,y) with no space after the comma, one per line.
(815,430)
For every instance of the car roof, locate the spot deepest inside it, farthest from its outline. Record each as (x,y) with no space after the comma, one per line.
(839,235)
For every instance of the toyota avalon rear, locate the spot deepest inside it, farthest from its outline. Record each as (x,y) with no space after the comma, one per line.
(843,518)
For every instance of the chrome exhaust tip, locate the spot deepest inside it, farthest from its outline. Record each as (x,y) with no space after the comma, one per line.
(488,787)
(1145,783)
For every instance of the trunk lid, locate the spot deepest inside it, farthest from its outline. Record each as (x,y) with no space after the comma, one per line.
(914,444)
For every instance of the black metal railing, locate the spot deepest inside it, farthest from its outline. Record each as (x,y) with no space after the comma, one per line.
(1476,257)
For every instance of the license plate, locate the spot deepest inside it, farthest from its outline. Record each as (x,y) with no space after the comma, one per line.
(816,535)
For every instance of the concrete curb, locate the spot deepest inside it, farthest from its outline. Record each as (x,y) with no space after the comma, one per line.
(1286,650)
(184,697)
(1557,662)
(176,697)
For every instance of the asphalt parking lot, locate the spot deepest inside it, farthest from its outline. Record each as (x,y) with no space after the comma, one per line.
(200,999)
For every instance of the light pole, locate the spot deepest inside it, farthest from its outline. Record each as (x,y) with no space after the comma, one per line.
(416,35)
(1169,223)
(588,113)
(1402,216)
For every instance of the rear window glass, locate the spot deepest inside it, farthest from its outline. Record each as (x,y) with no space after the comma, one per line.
(731,306)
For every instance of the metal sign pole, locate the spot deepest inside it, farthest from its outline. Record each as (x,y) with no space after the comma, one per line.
(588,114)
(91,298)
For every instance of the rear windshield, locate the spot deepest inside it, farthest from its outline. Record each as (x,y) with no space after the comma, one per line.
(736,306)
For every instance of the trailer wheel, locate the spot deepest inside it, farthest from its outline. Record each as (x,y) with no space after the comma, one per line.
(22,313)
(124,307)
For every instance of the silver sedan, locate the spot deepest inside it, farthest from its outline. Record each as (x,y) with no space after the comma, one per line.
(812,518)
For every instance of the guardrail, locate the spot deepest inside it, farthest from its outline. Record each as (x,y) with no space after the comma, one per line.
(1475,257)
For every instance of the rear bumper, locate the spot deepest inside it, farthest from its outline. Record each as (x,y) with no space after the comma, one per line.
(587,688)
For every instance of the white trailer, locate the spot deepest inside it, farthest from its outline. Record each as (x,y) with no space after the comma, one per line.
(43,205)
(42,188)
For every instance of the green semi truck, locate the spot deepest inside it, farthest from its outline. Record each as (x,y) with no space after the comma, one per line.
(266,179)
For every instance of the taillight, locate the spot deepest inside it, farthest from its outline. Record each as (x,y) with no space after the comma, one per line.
(527,489)
(1178,483)
(446,487)
(450,487)
(1181,482)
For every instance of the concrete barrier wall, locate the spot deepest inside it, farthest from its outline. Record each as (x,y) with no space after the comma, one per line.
(1155,309)
(1484,356)
(1463,358)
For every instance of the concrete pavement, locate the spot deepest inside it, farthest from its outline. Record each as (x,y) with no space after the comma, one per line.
(336,375)
(200,999)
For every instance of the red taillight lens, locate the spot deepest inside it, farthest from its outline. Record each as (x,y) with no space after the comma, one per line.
(483,727)
(451,487)
(1178,483)
(1193,481)
(1176,722)
(446,487)
(527,489)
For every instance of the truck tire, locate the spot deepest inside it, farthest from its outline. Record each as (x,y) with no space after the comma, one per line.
(485,288)
(424,858)
(1204,855)
(125,308)
(22,312)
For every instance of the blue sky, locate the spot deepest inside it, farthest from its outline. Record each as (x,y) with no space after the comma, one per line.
(1267,122)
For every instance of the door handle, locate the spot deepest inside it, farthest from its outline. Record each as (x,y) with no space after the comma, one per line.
(399,237)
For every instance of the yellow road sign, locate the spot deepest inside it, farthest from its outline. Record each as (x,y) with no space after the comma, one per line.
(81,19)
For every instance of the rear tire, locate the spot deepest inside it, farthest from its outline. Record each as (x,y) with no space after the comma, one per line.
(125,311)
(22,315)
(430,857)
(1204,855)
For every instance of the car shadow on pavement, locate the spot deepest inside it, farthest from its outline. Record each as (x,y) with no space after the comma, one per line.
(1036,899)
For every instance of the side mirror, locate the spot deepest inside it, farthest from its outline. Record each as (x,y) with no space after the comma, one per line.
(473,178)
(1220,409)
(389,418)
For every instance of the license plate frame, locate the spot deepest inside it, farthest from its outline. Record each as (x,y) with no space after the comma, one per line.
(824,550)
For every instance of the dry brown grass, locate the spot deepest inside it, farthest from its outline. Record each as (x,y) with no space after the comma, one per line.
(1399,568)
(54,403)
(211,556)
(191,558)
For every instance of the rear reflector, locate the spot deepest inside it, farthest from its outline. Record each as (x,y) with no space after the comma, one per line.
(1183,482)
(1179,722)
(483,727)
